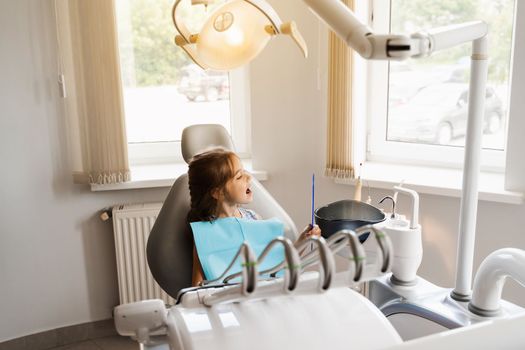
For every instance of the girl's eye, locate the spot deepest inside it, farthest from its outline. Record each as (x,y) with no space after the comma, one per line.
(241,175)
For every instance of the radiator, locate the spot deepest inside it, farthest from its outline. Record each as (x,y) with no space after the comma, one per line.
(131,226)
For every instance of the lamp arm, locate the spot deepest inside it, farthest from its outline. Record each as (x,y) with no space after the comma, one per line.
(180,26)
(344,23)
(361,38)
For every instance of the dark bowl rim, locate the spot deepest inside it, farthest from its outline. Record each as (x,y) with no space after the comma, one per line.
(357,220)
(350,200)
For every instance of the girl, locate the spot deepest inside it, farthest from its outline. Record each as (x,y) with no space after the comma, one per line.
(219,186)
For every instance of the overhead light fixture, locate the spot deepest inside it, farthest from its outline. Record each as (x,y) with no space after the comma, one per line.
(234,34)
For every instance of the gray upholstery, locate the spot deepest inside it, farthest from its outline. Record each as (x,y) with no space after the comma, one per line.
(197,138)
(170,244)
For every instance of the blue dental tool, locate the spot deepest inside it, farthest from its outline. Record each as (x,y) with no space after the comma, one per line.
(313,197)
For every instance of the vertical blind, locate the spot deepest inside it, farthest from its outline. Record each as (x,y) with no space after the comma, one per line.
(339,162)
(88,47)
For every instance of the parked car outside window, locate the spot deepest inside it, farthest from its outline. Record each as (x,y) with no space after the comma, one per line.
(198,84)
(438,113)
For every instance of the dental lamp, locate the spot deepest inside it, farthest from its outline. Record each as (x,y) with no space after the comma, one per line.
(234,34)
(216,50)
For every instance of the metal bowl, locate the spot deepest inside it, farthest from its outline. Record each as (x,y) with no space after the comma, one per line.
(346,215)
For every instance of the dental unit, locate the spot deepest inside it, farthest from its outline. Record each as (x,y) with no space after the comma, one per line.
(312,310)
(228,316)
(404,295)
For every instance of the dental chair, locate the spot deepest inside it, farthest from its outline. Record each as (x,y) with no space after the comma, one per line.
(302,310)
(170,244)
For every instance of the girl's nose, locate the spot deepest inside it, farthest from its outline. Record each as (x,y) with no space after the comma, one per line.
(247,176)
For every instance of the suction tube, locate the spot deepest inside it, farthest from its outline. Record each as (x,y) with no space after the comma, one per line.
(490,279)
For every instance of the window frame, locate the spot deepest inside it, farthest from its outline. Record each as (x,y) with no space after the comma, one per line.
(166,152)
(379,149)
(240,125)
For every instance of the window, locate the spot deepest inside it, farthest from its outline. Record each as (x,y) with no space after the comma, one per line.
(164,91)
(419,107)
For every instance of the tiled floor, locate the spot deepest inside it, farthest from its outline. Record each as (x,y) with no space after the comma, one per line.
(107,343)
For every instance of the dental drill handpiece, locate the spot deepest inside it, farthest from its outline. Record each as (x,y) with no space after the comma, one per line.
(249,269)
(326,259)
(384,243)
(292,262)
(343,238)
(248,282)
(340,240)
(323,255)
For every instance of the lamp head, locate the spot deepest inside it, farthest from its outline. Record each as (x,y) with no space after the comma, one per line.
(233,35)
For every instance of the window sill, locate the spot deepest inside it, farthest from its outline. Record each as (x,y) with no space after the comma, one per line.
(436,181)
(163,175)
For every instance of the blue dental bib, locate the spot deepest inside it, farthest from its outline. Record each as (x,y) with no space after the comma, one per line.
(218,241)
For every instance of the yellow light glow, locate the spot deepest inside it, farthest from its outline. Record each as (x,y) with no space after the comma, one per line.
(235,37)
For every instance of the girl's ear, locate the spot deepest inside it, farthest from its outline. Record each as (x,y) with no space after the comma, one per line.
(215,193)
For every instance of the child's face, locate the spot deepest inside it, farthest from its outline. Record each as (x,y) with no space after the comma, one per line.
(237,189)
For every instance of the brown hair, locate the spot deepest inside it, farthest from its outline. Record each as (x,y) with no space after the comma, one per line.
(207,172)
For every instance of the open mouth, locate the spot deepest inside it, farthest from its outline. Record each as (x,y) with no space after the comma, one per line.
(248,191)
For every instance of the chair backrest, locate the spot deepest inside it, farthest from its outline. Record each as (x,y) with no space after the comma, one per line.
(170,244)
(197,138)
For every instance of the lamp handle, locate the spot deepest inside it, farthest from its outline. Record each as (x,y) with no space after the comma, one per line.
(290,28)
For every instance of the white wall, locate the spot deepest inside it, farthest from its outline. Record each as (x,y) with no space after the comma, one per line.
(57,263)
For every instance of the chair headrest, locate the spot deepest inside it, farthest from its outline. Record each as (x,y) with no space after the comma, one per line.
(197,138)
